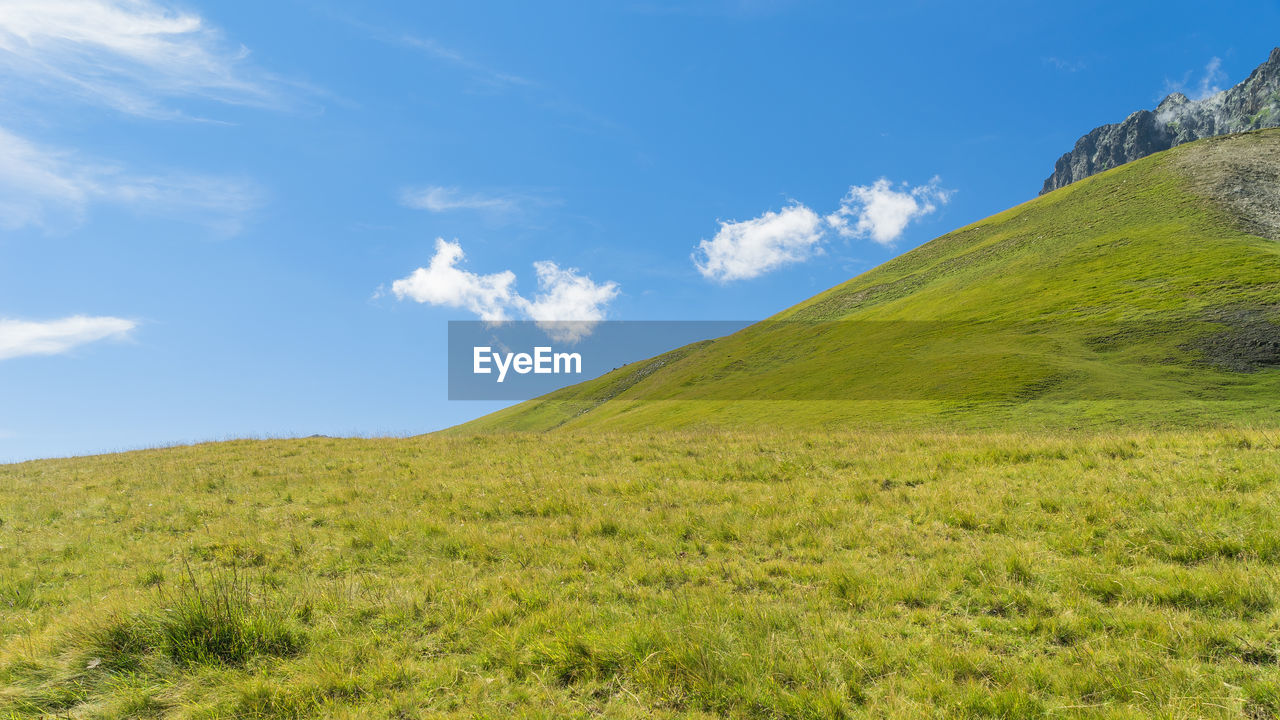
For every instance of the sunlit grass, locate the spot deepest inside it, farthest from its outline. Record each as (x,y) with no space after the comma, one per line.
(684,574)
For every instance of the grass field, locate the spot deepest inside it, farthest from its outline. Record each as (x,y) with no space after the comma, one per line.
(675,574)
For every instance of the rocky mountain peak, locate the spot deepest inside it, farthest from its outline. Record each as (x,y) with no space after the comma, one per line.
(1251,105)
(1172,102)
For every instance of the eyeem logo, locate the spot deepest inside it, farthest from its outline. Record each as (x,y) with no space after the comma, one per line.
(543,361)
(522,359)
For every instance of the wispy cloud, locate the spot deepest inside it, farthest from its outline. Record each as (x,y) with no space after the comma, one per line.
(130,55)
(53,188)
(1208,85)
(1067,66)
(36,183)
(436,198)
(485,77)
(568,305)
(750,248)
(1209,82)
(53,337)
(737,9)
(881,212)
(477,70)
(433,48)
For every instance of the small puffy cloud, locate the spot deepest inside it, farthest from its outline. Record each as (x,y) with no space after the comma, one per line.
(439,199)
(51,188)
(747,249)
(125,54)
(21,337)
(881,212)
(568,305)
(443,283)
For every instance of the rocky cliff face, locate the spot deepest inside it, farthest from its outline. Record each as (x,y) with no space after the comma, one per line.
(1253,104)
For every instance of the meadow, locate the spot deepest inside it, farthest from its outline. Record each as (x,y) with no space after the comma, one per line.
(699,573)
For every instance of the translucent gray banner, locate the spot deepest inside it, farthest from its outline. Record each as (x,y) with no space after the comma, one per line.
(518,360)
(855,360)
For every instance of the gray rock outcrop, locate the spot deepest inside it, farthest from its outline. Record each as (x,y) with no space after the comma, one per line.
(1251,105)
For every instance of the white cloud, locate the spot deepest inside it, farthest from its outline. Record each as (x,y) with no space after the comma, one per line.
(125,54)
(881,213)
(443,199)
(35,182)
(1206,87)
(570,304)
(750,248)
(20,337)
(52,188)
(567,307)
(1213,75)
(442,283)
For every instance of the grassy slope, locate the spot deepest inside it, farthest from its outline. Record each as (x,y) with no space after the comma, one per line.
(673,574)
(1079,308)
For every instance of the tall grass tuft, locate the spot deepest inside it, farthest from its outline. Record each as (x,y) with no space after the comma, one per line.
(220,620)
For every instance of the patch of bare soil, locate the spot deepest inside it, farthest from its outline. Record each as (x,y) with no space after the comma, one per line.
(1249,340)
(1241,172)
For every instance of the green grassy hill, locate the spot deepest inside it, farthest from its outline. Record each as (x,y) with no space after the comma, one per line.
(1145,295)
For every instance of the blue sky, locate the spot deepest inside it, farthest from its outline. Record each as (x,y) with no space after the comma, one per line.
(205,207)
